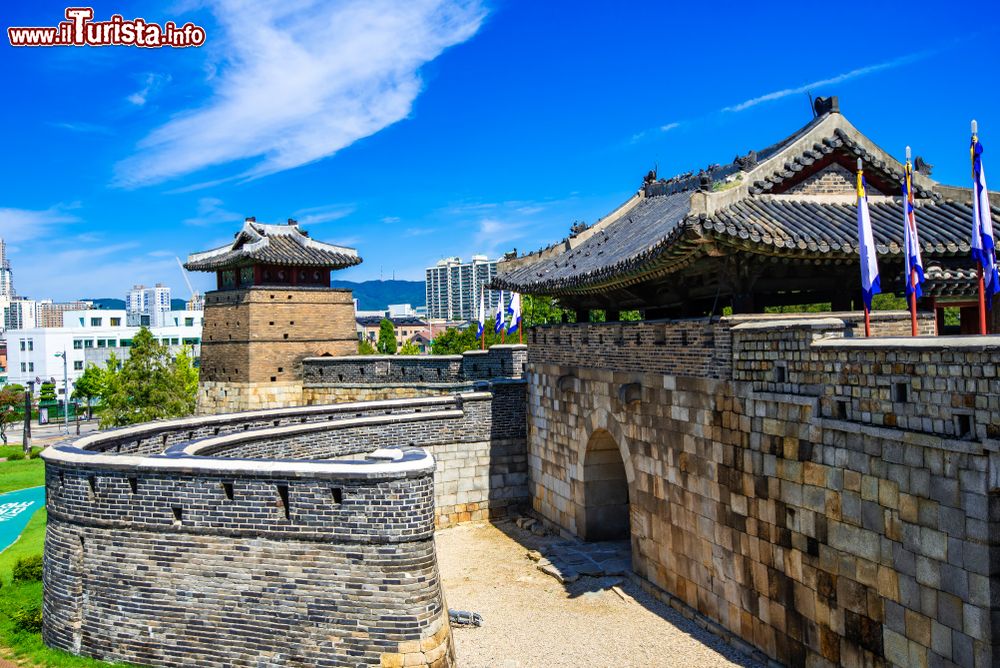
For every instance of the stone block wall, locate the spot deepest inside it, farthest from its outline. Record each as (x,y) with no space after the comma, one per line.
(365,377)
(179,561)
(821,533)
(255,339)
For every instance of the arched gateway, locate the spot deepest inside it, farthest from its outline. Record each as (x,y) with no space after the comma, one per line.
(603,509)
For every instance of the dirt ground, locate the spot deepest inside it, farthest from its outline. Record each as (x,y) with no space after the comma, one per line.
(533,621)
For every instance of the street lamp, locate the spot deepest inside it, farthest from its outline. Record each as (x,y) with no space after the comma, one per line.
(65,392)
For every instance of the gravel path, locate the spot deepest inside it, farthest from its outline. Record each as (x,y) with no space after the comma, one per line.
(532,621)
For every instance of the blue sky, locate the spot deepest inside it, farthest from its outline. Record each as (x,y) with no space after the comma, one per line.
(427,128)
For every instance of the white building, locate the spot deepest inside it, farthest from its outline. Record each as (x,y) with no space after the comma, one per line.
(6,275)
(89,337)
(147,306)
(452,288)
(20,313)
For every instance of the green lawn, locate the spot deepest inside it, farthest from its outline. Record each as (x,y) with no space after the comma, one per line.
(17,642)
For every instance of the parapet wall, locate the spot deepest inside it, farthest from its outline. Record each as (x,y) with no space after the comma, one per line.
(374,377)
(827,500)
(168,543)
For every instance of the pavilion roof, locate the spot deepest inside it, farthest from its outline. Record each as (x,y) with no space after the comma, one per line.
(753,206)
(282,245)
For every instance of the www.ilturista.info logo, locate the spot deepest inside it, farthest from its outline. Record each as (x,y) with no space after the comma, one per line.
(81,30)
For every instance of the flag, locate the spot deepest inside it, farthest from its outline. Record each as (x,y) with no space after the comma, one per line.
(515,313)
(498,325)
(982,225)
(911,243)
(866,245)
(482,314)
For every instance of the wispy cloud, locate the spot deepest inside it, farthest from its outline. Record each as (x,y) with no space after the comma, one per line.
(840,78)
(303,79)
(495,235)
(785,92)
(639,136)
(212,212)
(84,128)
(389,220)
(27,224)
(323,214)
(151,84)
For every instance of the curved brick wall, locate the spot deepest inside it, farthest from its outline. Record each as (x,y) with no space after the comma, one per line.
(172,544)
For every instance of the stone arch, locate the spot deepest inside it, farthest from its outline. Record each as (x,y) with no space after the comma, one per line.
(603,482)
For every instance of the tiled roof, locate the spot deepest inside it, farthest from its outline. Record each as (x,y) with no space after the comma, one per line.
(946,281)
(732,209)
(282,245)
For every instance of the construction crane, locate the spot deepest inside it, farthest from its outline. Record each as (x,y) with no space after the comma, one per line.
(195,296)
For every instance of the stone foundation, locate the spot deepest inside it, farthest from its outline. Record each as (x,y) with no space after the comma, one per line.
(830,501)
(215,397)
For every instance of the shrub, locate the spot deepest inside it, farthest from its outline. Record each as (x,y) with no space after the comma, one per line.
(28,569)
(15,456)
(28,619)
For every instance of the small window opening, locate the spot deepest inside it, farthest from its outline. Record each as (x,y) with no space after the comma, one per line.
(133,484)
(963,425)
(841,409)
(780,373)
(227,488)
(283,494)
(178,515)
(92,486)
(899,392)
(338,495)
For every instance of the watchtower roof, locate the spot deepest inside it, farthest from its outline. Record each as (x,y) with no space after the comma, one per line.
(279,245)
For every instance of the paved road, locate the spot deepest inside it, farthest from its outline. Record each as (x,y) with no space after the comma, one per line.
(42,435)
(16,508)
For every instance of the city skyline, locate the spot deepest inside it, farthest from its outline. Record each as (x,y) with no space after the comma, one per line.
(147,167)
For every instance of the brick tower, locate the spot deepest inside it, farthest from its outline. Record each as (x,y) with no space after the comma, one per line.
(273,306)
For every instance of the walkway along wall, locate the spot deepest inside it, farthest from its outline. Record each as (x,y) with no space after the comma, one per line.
(828,500)
(290,536)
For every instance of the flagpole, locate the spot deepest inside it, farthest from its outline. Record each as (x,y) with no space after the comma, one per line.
(868,323)
(482,302)
(503,329)
(913,270)
(979,261)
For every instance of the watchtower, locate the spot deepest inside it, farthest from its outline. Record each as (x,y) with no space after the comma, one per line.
(272,307)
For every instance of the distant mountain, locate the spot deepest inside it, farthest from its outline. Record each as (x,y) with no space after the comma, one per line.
(110,303)
(377,295)
(107,303)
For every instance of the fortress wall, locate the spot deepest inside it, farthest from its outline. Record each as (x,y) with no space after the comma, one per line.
(374,377)
(808,512)
(205,562)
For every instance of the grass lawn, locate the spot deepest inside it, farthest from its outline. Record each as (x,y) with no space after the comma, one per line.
(20,474)
(18,643)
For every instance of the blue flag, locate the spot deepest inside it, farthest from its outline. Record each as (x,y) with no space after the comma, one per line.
(982,226)
(870,285)
(913,266)
(515,313)
(498,325)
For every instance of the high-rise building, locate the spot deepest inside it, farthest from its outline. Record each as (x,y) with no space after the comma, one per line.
(20,313)
(6,275)
(148,307)
(50,314)
(453,286)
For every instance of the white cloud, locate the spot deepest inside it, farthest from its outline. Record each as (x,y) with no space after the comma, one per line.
(495,235)
(212,212)
(323,214)
(151,83)
(27,224)
(302,80)
(840,78)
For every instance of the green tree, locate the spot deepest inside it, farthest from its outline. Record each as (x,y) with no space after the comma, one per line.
(409,348)
(365,347)
(47,393)
(541,310)
(90,385)
(10,401)
(386,338)
(149,385)
(15,387)
(455,341)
